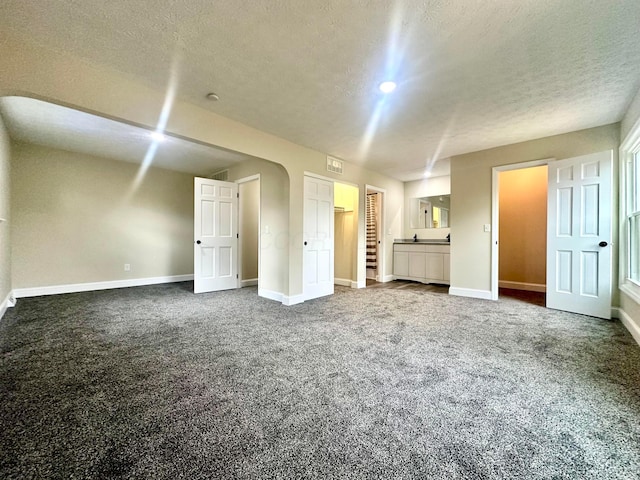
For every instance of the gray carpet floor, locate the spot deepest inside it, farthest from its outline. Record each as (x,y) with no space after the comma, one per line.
(156,382)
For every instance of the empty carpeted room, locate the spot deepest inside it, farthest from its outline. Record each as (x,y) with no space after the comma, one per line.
(320,239)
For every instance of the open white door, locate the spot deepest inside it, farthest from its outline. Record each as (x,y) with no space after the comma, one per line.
(318,238)
(579,235)
(216,235)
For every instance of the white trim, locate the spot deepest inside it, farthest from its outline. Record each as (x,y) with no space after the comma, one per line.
(8,302)
(87,287)
(359,284)
(495,209)
(342,282)
(631,292)
(270,295)
(292,300)
(252,282)
(626,151)
(330,179)
(387,278)
(531,287)
(471,292)
(382,251)
(281,297)
(628,322)
(250,178)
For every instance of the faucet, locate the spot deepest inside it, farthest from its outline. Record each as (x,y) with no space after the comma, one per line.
(415,237)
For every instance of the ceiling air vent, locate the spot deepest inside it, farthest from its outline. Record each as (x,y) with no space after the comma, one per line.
(334,165)
(222,175)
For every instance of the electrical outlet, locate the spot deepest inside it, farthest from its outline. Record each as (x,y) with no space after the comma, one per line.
(127,267)
(487,227)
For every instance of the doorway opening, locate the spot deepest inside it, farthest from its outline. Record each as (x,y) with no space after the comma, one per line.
(345,234)
(374,247)
(249,230)
(520,232)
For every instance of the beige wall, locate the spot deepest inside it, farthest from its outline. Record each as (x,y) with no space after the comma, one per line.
(274,221)
(471,178)
(75,222)
(249,214)
(523,226)
(5,213)
(426,187)
(36,71)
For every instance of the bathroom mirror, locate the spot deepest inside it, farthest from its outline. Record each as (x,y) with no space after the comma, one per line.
(431,212)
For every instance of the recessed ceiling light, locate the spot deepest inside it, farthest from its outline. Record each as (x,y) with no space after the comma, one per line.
(387,87)
(426,174)
(213,97)
(158,137)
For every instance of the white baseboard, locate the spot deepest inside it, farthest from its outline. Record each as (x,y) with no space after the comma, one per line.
(252,282)
(387,278)
(270,295)
(355,284)
(7,303)
(360,284)
(292,300)
(342,282)
(628,322)
(86,287)
(531,287)
(470,292)
(281,297)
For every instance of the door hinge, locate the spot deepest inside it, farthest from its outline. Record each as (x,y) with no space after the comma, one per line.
(237,276)
(237,235)
(238,195)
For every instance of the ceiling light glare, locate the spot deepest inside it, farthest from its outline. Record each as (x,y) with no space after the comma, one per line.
(387,87)
(158,137)
(426,174)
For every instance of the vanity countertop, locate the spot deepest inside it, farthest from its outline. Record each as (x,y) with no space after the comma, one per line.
(433,241)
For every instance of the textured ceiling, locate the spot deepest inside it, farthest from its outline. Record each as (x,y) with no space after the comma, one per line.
(472,74)
(43,123)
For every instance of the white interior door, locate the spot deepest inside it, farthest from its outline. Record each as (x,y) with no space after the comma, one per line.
(215,235)
(318,238)
(579,235)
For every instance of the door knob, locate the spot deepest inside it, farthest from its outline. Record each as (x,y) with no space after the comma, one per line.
(305,243)
(198,242)
(603,244)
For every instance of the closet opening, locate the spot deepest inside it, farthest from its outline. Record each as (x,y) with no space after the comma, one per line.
(522,233)
(345,199)
(374,251)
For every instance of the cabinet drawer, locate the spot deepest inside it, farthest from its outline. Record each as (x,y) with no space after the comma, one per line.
(409,247)
(438,248)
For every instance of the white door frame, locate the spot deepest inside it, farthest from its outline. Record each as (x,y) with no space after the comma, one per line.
(495,213)
(240,181)
(381,229)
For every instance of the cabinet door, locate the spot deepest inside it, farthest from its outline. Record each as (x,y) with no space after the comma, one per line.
(435,266)
(401,264)
(417,264)
(447,267)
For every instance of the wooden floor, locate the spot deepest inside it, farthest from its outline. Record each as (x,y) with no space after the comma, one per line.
(536,298)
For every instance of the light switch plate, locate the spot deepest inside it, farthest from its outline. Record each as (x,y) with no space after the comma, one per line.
(487,227)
